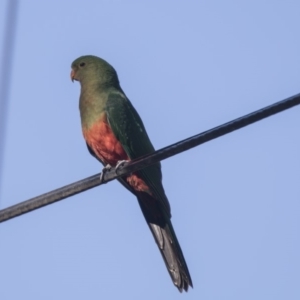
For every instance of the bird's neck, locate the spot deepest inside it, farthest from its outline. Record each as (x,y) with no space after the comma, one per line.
(92,102)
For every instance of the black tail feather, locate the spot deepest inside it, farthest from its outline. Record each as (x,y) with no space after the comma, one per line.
(168,245)
(165,238)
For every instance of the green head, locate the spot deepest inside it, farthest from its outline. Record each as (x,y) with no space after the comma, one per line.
(91,69)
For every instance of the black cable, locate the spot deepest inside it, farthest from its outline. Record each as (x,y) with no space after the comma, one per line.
(142,162)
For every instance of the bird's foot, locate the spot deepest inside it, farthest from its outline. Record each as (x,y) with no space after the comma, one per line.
(120,163)
(104,170)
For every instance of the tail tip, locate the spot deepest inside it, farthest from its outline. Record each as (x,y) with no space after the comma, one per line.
(184,285)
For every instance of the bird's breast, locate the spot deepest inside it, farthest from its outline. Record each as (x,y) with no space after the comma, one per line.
(104,143)
(109,150)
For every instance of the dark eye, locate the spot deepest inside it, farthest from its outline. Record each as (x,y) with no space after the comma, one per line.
(82,64)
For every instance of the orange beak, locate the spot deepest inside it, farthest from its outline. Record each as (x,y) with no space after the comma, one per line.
(72,75)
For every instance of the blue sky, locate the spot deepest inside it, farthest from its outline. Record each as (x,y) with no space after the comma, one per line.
(186,66)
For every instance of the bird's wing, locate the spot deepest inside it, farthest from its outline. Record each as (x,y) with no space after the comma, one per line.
(129,129)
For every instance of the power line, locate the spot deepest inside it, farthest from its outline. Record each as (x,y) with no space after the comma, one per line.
(142,162)
(6,68)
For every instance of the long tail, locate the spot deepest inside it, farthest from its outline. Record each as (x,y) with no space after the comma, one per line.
(165,238)
(169,247)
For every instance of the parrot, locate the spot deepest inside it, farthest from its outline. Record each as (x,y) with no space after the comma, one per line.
(114,133)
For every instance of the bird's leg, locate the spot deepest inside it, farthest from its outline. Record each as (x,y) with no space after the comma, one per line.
(120,163)
(104,170)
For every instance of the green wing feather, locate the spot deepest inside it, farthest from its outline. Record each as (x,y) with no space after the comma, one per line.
(129,129)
